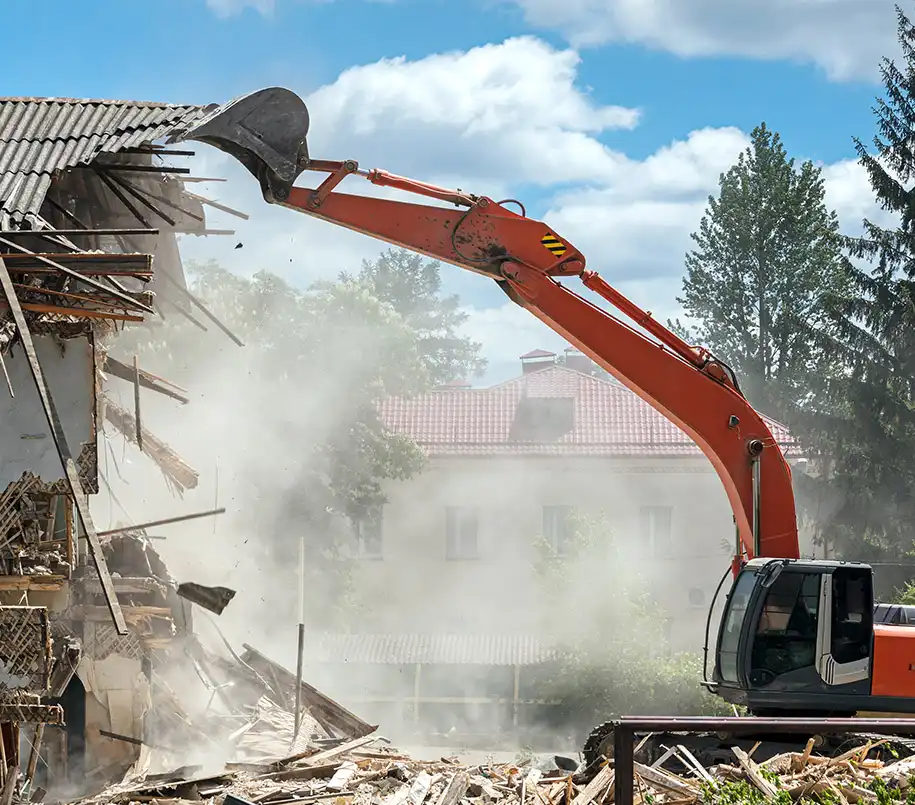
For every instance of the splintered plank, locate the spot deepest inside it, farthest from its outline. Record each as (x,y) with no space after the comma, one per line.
(337,751)
(666,781)
(752,771)
(603,779)
(63,450)
(455,790)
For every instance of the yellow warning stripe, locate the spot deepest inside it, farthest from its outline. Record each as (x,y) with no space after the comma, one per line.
(554,244)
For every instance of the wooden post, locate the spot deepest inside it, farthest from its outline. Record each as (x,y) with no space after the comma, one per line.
(4,763)
(34,754)
(516,697)
(136,400)
(416,691)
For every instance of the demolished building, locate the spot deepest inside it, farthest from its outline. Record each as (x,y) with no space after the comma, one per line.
(90,209)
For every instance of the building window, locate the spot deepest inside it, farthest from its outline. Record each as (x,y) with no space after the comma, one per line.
(655,527)
(558,527)
(369,541)
(462,533)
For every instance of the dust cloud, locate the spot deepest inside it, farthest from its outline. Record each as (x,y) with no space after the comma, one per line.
(250,435)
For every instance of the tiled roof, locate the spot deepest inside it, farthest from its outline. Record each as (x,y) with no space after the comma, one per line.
(39,136)
(608,420)
(438,649)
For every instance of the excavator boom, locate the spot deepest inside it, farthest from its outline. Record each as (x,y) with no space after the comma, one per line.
(266,131)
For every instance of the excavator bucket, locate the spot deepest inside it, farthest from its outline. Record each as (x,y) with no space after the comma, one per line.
(265,131)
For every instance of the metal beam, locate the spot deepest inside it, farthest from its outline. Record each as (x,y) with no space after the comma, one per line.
(202,308)
(63,451)
(152,523)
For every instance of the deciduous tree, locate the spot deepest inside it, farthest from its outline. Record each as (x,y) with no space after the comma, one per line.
(413,286)
(298,401)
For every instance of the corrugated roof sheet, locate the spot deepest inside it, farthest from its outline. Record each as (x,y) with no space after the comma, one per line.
(428,649)
(39,136)
(608,420)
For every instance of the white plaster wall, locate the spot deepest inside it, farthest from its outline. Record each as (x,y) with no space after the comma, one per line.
(415,588)
(25,438)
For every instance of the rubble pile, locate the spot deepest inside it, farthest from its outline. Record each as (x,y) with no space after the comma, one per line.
(355,772)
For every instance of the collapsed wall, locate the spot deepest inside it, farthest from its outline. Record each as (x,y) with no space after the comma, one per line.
(89,213)
(96,639)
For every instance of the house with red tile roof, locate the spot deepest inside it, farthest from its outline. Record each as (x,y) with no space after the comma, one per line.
(449,561)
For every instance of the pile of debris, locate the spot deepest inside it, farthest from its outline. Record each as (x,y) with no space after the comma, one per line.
(354,772)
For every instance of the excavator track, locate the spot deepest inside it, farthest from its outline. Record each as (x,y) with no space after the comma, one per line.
(713,748)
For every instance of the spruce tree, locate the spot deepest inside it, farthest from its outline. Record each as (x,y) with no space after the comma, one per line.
(867,410)
(767,251)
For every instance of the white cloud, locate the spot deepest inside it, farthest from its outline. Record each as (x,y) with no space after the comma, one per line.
(484,119)
(477,120)
(846,38)
(481,113)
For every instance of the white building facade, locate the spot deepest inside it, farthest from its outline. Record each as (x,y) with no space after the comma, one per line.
(449,564)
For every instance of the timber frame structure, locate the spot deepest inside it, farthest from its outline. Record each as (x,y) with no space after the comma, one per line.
(90,207)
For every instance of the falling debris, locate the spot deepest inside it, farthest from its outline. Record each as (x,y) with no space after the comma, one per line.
(215,599)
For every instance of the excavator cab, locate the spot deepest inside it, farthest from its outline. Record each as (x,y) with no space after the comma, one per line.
(798,635)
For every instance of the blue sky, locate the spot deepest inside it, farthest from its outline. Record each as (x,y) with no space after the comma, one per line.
(497,95)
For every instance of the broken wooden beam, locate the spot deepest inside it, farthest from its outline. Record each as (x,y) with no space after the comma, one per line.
(202,308)
(147,380)
(92,283)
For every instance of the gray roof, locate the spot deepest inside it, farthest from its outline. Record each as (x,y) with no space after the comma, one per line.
(39,136)
(428,649)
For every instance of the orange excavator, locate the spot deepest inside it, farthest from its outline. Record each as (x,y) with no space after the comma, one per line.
(796,637)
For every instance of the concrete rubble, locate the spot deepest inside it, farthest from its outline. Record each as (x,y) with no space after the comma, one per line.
(366,771)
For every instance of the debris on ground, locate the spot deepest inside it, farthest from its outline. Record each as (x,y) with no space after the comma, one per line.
(362,772)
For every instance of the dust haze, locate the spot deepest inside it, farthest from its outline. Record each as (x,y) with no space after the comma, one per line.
(251,438)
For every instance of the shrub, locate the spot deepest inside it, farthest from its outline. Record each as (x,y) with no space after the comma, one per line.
(614,657)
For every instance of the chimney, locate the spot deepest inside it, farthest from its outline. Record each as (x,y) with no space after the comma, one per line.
(577,360)
(537,360)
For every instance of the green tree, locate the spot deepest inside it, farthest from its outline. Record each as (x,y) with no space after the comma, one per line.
(298,404)
(614,659)
(412,285)
(767,253)
(767,284)
(866,410)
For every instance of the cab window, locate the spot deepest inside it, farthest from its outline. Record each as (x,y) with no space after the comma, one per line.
(786,633)
(852,614)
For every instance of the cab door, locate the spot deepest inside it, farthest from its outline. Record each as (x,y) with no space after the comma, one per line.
(845,642)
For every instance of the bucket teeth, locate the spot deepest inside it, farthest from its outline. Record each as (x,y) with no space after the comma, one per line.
(265,130)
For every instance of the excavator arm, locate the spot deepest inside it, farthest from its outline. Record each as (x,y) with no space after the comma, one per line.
(266,131)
